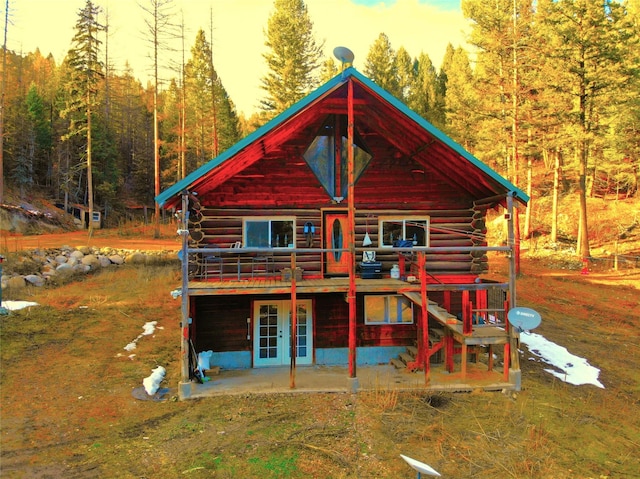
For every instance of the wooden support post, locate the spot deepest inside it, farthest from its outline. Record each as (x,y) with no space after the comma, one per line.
(482,304)
(424,317)
(447,301)
(466,313)
(512,253)
(351,232)
(448,350)
(506,362)
(184,343)
(463,360)
(401,264)
(294,324)
(514,336)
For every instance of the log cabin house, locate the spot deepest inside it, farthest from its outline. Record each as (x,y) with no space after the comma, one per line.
(347,231)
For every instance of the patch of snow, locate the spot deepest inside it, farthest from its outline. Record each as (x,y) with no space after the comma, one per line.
(152,383)
(573,369)
(149,328)
(16,305)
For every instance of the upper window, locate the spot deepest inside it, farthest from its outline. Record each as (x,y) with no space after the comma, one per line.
(411,229)
(390,309)
(269,233)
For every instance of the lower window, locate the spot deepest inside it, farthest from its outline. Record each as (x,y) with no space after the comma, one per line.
(391,309)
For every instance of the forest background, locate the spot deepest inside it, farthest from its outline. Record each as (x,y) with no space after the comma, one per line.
(548,95)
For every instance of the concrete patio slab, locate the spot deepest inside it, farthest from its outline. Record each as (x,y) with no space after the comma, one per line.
(335,379)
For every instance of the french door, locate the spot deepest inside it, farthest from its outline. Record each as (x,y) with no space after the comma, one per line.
(272,333)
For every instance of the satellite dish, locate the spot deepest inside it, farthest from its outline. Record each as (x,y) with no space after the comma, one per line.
(421,467)
(343,54)
(524,319)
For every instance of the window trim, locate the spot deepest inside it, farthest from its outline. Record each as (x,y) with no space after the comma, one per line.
(268,219)
(404,220)
(387,321)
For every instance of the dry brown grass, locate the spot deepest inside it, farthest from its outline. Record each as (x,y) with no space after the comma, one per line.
(68,411)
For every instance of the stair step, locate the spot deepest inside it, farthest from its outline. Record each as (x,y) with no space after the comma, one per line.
(413,351)
(397,363)
(406,358)
(437,333)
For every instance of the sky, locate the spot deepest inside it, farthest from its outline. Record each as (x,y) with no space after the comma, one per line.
(238,32)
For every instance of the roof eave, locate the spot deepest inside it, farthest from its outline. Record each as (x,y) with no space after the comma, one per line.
(518,194)
(163,199)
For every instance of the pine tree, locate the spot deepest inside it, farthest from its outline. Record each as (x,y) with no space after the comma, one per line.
(160,31)
(622,150)
(2,100)
(132,129)
(328,70)
(424,99)
(40,128)
(461,101)
(292,58)
(212,124)
(381,67)
(589,54)
(86,72)
(441,84)
(501,32)
(406,75)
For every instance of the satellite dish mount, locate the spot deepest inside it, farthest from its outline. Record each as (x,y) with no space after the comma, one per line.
(344,55)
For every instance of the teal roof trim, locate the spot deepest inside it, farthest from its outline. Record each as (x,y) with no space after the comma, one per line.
(336,81)
(185,183)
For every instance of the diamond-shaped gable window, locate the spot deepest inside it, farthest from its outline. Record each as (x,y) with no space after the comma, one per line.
(321,156)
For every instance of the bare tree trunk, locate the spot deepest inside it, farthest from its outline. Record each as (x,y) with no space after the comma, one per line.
(107,83)
(554,205)
(583,231)
(89,164)
(156,139)
(4,80)
(158,25)
(527,217)
(214,114)
(183,112)
(514,98)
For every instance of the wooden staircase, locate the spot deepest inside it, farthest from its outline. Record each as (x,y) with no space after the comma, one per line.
(407,359)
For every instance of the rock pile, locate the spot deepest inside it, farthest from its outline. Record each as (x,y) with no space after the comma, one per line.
(52,263)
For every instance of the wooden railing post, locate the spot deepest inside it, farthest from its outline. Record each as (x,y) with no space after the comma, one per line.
(424,317)
(294,324)
(466,313)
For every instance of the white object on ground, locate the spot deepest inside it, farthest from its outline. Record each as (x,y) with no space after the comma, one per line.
(421,467)
(152,383)
(16,305)
(575,370)
(204,360)
(148,328)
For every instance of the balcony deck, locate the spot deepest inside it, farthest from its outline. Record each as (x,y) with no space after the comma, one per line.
(275,285)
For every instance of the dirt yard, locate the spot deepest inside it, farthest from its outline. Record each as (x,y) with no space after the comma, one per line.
(68,410)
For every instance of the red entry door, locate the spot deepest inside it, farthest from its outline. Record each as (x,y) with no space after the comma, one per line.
(335,237)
